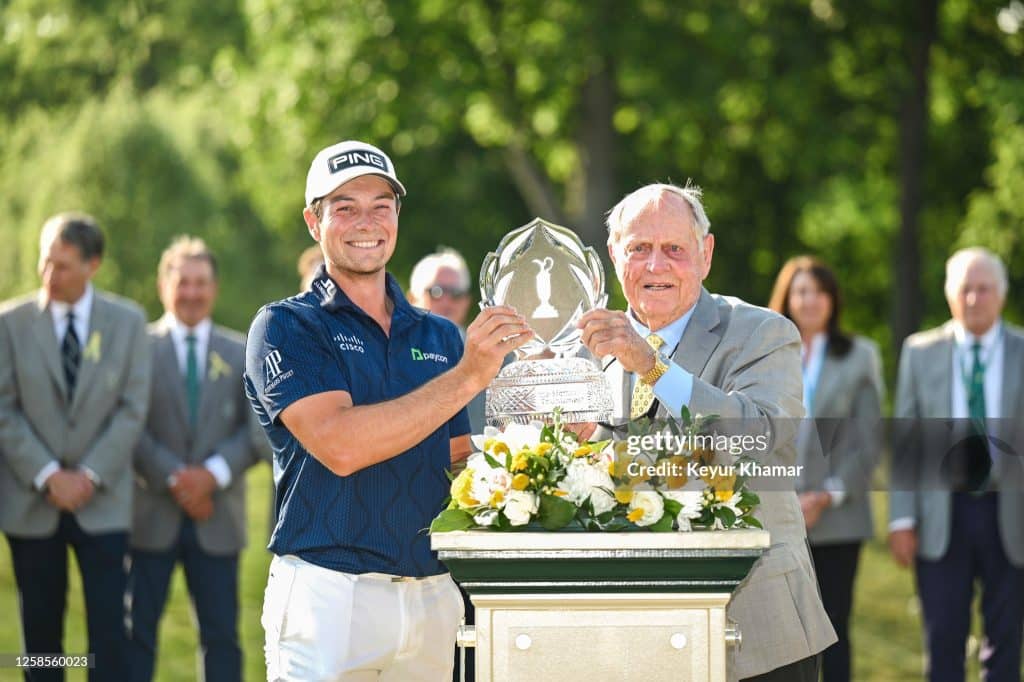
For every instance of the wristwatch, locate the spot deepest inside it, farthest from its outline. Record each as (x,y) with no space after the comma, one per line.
(653,374)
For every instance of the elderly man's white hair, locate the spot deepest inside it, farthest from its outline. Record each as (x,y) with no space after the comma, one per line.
(635,202)
(956,269)
(425,271)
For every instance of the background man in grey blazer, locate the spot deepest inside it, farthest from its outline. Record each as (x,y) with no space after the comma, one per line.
(725,357)
(74,385)
(190,467)
(967,526)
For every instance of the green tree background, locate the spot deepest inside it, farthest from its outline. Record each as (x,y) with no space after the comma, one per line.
(880,135)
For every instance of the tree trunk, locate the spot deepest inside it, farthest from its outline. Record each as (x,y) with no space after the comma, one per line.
(597,153)
(906,313)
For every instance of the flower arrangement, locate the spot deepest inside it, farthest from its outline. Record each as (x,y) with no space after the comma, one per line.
(537,475)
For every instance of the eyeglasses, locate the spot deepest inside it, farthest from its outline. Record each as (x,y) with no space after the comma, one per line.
(437,291)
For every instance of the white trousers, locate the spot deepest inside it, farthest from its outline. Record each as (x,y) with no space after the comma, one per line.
(327,625)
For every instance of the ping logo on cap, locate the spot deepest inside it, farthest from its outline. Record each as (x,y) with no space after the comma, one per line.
(350,159)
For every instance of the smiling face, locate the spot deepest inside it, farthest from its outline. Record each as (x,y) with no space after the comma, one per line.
(188,290)
(659,262)
(358,227)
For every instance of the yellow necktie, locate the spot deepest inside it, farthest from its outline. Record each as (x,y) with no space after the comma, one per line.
(643,395)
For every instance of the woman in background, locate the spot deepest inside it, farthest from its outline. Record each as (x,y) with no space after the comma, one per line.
(842,393)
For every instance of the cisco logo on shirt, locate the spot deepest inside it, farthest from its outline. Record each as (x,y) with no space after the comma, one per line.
(350,343)
(417,354)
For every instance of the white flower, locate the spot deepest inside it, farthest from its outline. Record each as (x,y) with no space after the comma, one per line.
(646,508)
(692,502)
(520,506)
(515,436)
(490,484)
(584,480)
(486,517)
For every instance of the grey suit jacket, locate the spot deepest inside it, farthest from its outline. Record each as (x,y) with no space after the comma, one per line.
(746,364)
(924,392)
(848,409)
(225,426)
(97,430)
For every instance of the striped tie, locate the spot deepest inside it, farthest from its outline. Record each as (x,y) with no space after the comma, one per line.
(71,355)
(643,395)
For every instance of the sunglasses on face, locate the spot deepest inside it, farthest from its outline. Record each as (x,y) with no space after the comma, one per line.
(437,291)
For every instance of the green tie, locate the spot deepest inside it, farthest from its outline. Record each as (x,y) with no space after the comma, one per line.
(979,462)
(192,379)
(976,396)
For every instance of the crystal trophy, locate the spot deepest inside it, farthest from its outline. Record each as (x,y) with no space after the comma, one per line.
(546,273)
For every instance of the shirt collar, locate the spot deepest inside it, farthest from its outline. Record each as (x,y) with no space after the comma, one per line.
(333,298)
(179,331)
(816,347)
(82,307)
(671,333)
(964,339)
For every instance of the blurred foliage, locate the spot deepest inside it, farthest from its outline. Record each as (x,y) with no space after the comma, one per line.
(168,117)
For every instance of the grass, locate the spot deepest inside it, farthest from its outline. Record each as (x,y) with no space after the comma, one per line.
(886,626)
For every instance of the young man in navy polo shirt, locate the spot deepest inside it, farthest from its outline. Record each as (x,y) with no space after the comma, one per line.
(363,398)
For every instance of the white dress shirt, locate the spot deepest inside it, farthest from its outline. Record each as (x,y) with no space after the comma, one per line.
(215,463)
(82,308)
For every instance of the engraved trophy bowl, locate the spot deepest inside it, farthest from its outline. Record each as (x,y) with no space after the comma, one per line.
(546,273)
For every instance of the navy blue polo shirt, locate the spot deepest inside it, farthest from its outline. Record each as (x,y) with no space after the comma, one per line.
(374,519)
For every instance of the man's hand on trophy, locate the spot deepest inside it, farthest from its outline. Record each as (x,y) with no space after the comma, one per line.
(608,332)
(496,332)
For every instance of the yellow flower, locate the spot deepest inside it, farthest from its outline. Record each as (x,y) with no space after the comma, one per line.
(218,367)
(520,461)
(92,348)
(499,448)
(558,492)
(520,481)
(497,497)
(723,495)
(623,495)
(635,515)
(489,443)
(582,451)
(544,448)
(461,487)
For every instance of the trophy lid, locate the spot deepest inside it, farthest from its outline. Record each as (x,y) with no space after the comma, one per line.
(545,272)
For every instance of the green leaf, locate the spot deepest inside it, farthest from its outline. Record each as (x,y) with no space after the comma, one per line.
(555,513)
(672,507)
(749,499)
(662,525)
(753,522)
(727,516)
(450,474)
(451,519)
(493,462)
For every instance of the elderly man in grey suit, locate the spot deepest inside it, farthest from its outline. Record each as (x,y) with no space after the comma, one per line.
(190,468)
(963,524)
(718,356)
(74,386)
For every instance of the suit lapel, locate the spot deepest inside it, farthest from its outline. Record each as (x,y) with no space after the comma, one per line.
(699,340)
(49,347)
(207,399)
(828,382)
(939,384)
(92,351)
(1013,370)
